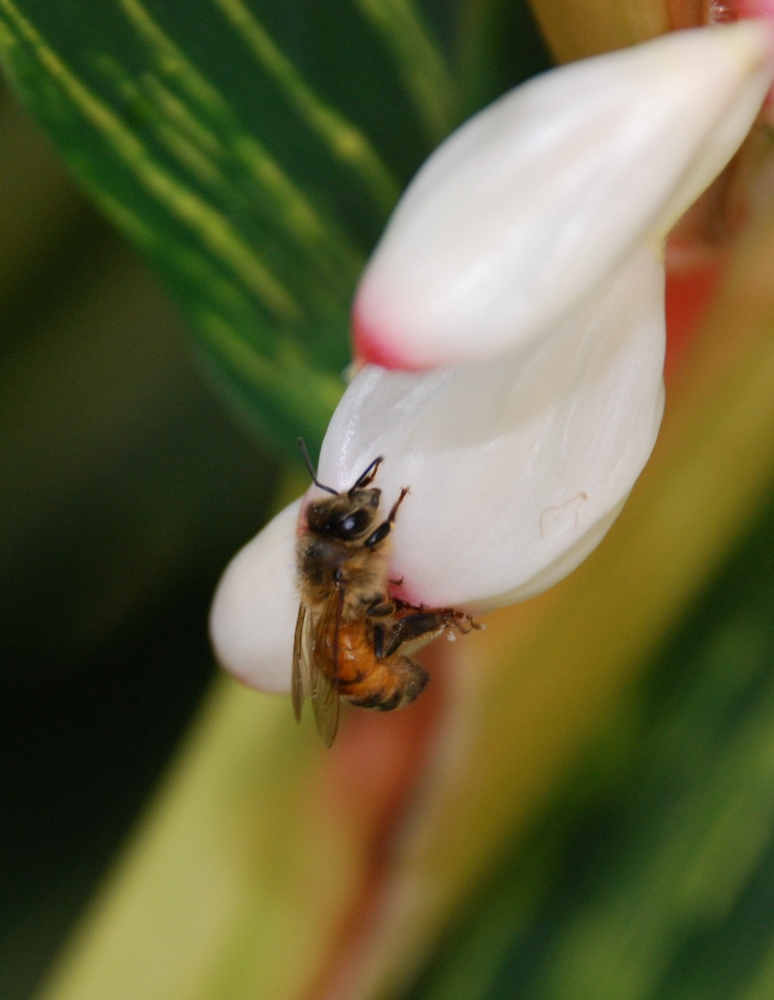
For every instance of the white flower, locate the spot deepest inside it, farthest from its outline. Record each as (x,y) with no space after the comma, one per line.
(519,284)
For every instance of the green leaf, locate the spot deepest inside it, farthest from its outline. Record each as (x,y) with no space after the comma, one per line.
(254,151)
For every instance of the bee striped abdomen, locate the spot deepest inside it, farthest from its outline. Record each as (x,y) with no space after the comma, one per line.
(369,682)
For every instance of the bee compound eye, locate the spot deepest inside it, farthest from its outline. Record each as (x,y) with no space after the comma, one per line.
(353,524)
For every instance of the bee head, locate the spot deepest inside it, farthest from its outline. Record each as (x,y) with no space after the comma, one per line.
(346,516)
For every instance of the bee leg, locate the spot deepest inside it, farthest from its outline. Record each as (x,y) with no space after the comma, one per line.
(368,476)
(402,605)
(379,642)
(413,627)
(385,527)
(426,623)
(380,608)
(464,623)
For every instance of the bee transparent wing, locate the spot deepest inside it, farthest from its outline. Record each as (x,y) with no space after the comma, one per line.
(299,685)
(326,709)
(324,667)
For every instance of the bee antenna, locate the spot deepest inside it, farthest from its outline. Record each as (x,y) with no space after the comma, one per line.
(312,473)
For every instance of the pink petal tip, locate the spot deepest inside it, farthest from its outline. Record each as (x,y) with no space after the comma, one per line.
(372,347)
(755,8)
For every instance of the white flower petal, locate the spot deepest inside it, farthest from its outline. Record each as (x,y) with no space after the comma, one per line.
(524,210)
(517,466)
(253,616)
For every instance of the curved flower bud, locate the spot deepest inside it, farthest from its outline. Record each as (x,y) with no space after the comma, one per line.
(535,200)
(526,259)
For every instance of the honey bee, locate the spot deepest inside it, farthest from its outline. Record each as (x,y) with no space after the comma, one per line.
(350,631)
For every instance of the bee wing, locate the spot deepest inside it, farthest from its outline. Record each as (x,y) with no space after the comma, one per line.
(324,683)
(326,709)
(305,662)
(299,684)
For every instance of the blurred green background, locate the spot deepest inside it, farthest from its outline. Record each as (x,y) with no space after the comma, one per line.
(651,875)
(139,450)
(125,489)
